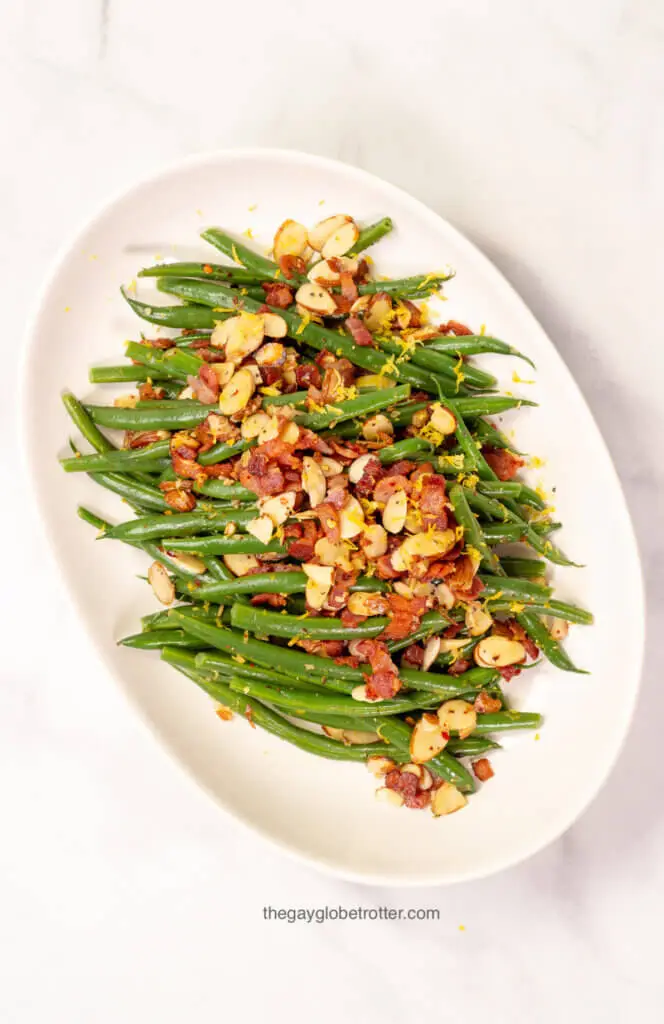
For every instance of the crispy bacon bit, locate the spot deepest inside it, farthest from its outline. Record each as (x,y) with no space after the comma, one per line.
(160,343)
(302,546)
(509,672)
(261,476)
(326,648)
(463,580)
(281,452)
(271,374)
(361,335)
(183,460)
(309,440)
(205,386)
(340,590)
(415,314)
(407,785)
(373,471)
(143,438)
(307,375)
(485,704)
(454,327)
(458,667)
(384,569)
(220,470)
(413,656)
(386,487)
(329,521)
(148,393)
(503,462)
(384,681)
(452,630)
(177,495)
(277,295)
(349,620)
(347,451)
(348,286)
(405,614)
(432,503)
(482,769)
(401,468)
(290,265)
(512,629)
(274,600)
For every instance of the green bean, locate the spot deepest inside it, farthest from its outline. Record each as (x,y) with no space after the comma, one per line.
(170,403)
(243,544)
(475,344)
(265,269)
(503,721)
(472,533)
(405,449)
(445,686)
(554,609)
(123,460)
(499,510)
(444,764)
(530,497)
(141,495)
(437,362)
(317,337)
(187,340)
(257,583)
(173,361)
(487,433)
(204,271)
(418,286)
(502,586)
(549,647)
(148,419)
(211,661)
(471,746)
(364,405)
(181,317)
(179,524)
(333,703)
(155,639)
(295,398)
(260,620)
(372,234)
(163,620)
(222,451)
(82,420)
(119,374)
(508,533)
(500,488)
(528,568)
(225,489)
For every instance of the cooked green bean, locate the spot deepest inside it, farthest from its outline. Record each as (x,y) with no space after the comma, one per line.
(120,374)
(181,317)
(474,344)
(504,721)
(265,269)
(204,271)
(498,510)
(372,234)
(474,537)
(126,459)
(364,405)
(180,524)
(176,418)
(238,544)
(334,703)
(549,647)
(222,451)
(155,639)
(444,764)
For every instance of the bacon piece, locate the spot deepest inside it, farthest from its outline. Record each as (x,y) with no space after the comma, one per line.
(148,393)
(385,570)
(482,769)
(302,546)
(349,620)
(361,335)
(307,375)
(339,593)
(278,295)
(373,472)
(281,452)
(329,521)
(454,327)
(308,439)
(274,600)
(205,386)
(485,704)
(413,656)
(423,469)
(386,487)
(290,265)
(407,785)
(347,451)
(452,630)
(503,462)
(401,468)
(348,286)
(270,374)
(458,667)
(383,682)
(405,614)
(325,648)
(160,343)
(415,314)
(260,475)
(142,438)
(177,495)
(220,470)
(183,460)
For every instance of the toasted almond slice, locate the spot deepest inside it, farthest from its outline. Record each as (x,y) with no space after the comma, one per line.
(427,545)
(261,528)
(260,425)
(321,574)
(315,594)
(351,518)
(315,299)
(457,716)
(322,271)
(190,563)
(426,739)
(341,240)
(366,603)
(186,394)
(279,507)
(241,565)
(237,393)
(403,589)
(389,796)
(351,737)
(333,732)
(499,652)
(360,693)
(397,562)
(319,233)
(313,481)
(290,432)
(373,382)
(477,619)
(446,800)
(420,418)
(357,468)
(374,541)
(360,305)
(272,353)
(426,779)
(377,425)
(379,313)
(445,597)
(442,419)
(378,765)
(223,372)
(274,325)
(255,372)
(452,646)
(290,239)
(332,554)
(125,401)
(244,334)
(395,512)
(558,628)
(161,583)
(413,769)
(431,652)
(423,589)
(330,467)
(220,333)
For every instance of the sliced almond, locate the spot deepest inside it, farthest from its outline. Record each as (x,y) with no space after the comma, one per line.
(272,353)
(420,418)
(378,765)
(445,597)
(290,239)
(499,652)
(186,394)
(330,467)
(260,425)
(329,553)
(374,541)
(351,519)
(322,271)
(274,325)
(379,314)
(360,305)
(426,779)
(351,737)
(403,589)
(389,796)
(373,382)
(446,800)
(442,419)
(242,335)
(161,583)
(413,769)
(426,545)
(426,739)
(457,716)
(319,233)
(322,574)
(279,507)
(261,528)
(223,372)
(377,425)
(313,481)
(125,401)
(431,652)
(477,619)
(255,372)
(316,595)
(190,563)
(357,468)
(290,432)
(341,241)
(315,299)
(241,565)
(395,512)
(237,393)
(360,693)
(558,628)
(452,646)
(367,603)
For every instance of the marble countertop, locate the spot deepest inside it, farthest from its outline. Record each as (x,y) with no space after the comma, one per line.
(534,128)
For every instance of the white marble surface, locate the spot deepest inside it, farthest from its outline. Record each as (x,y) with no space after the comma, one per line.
(535,128)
